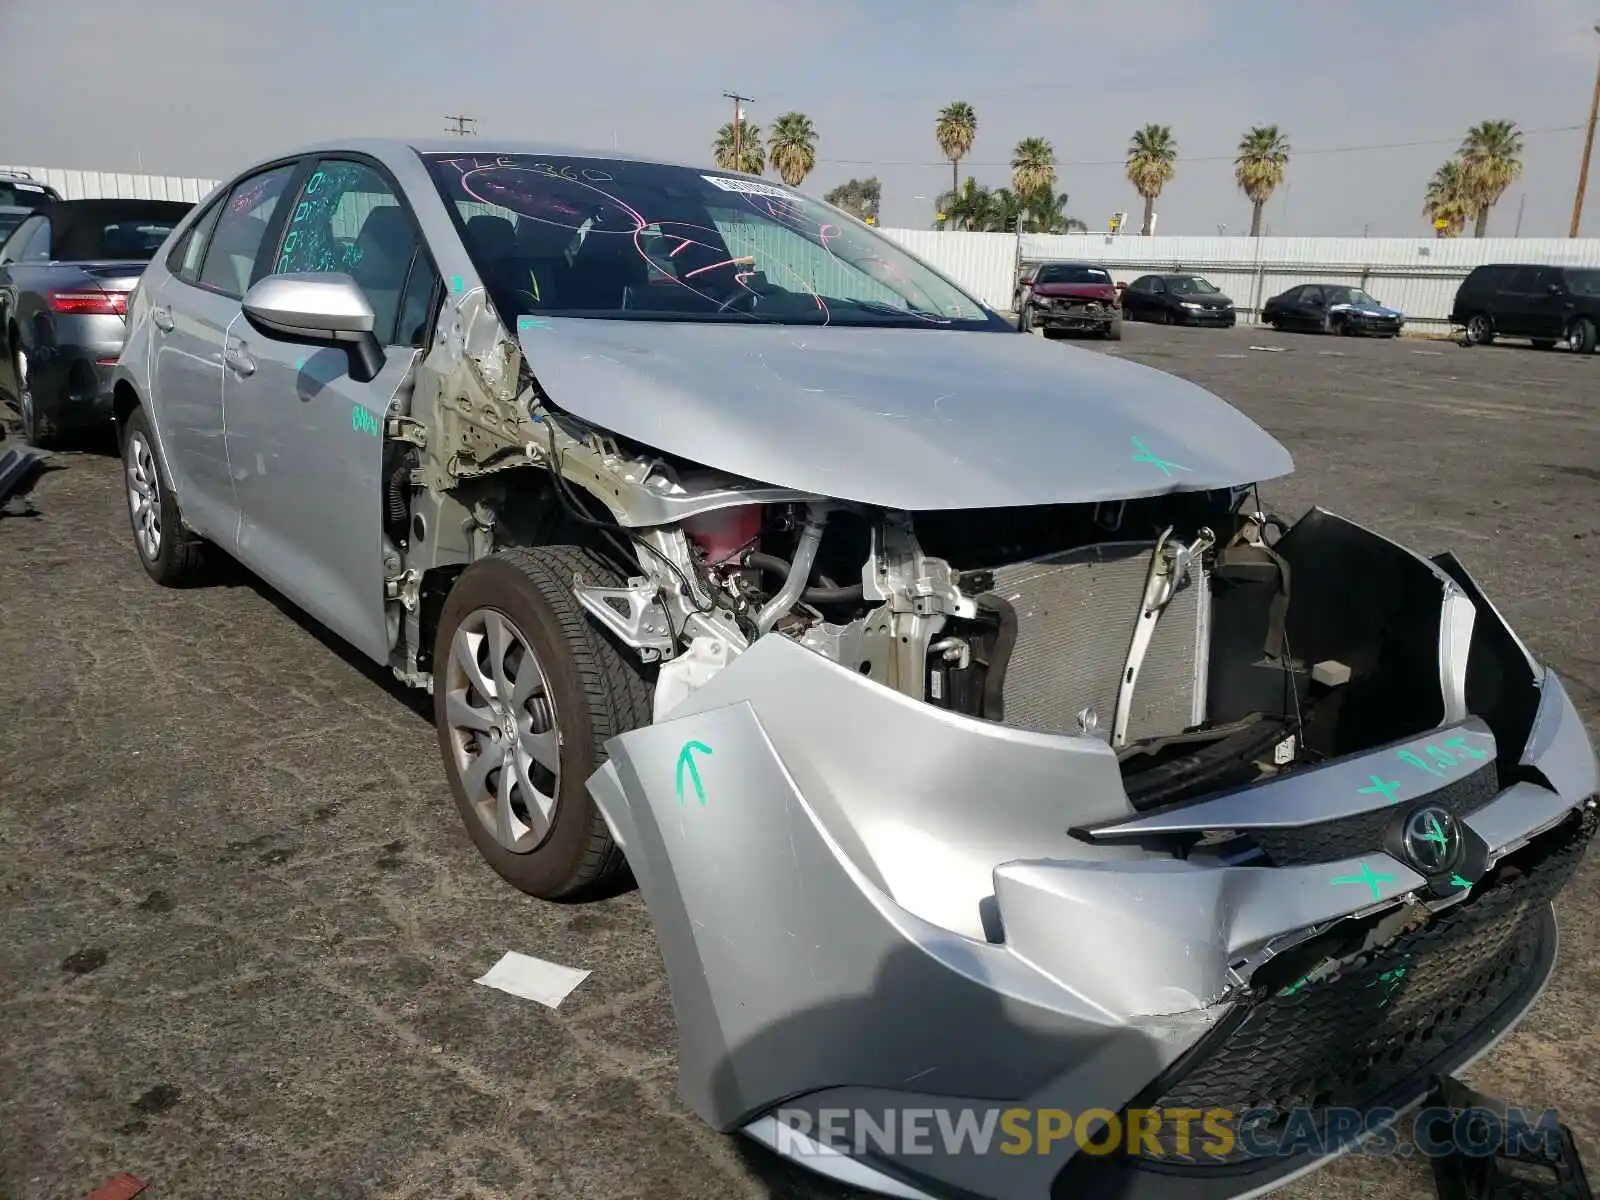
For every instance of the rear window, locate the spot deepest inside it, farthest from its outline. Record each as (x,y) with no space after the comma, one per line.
(1584,283)
(25,195)
(1058,273)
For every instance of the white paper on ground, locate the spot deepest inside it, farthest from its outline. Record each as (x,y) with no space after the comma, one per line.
(531,978)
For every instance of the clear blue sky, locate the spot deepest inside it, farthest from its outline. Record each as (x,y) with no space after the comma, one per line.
(198,87)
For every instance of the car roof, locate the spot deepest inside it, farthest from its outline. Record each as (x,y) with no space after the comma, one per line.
(388,149)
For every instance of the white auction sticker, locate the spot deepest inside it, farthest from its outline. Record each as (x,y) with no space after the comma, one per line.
(748,186)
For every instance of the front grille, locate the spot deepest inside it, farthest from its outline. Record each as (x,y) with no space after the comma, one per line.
(1349,837)
(1358,1037)
(1075,617)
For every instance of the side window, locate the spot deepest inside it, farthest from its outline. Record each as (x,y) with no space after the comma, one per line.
(16,246)
(1311,295)
(414,321)
(230,259)
(348,220)
(1158,286)
(184,259)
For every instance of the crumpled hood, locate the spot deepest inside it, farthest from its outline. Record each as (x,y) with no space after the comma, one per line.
(900,418)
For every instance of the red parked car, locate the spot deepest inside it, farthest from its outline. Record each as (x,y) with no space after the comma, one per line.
(1060,298)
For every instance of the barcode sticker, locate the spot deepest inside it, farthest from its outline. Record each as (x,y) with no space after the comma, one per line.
(748,186)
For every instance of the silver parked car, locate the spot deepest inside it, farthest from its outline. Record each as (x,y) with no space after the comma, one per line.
(65,274)
(975,739)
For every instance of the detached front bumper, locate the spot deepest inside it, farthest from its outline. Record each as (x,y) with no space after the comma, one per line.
(850,957)
(1374,325)
(1221,318)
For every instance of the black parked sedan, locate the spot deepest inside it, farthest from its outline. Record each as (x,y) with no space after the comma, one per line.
(1177,300)
(1331,308)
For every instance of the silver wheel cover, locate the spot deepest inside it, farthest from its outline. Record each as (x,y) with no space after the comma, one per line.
(504,738)
(144,496)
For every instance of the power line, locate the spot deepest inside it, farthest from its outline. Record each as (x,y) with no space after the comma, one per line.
(459,126)
(1198,158)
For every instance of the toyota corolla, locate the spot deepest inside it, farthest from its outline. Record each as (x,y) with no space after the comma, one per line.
(976,737)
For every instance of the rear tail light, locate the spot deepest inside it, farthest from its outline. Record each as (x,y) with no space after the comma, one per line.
(90,304)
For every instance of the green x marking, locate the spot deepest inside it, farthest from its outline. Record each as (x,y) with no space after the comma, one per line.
(1146,455)
(1379,787)
(1435,833)
(1367,876)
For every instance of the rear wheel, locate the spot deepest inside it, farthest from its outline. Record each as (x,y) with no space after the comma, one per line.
(1480,329)
(527,690)
(1581,336)
(172,555)
(39,426)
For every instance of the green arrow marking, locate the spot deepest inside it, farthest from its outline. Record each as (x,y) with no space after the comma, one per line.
(686,759)
(1457,881)
(1379,787)
(1367,876)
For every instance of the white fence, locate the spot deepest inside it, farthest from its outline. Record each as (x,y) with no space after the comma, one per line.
(93,185)
(1419,276)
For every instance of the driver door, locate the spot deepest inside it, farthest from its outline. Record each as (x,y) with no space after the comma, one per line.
(305,440)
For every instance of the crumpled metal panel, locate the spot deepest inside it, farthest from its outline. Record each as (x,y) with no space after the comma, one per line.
(906,419)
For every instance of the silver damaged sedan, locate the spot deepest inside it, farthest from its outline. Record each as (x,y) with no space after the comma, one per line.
(975,738)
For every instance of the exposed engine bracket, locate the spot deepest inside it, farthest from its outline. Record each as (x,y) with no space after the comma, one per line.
(634,613)
(1169,570)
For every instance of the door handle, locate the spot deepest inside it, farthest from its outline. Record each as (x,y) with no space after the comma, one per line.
(162,316)
(238,359)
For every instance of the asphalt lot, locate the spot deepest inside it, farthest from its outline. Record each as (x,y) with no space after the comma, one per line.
(240,920)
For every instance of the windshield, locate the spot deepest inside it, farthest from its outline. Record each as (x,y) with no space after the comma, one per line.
(1064,273)
(1190,285)
(129,241)
(1584,283)
(1349,295)
(620,240)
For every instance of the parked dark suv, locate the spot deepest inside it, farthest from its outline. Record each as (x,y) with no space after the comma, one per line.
(1545,304)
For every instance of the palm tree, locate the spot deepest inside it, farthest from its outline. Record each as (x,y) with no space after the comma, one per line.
(1263,154)
(1491,157)
(750,157)
(793,147)
(1152,155)
(1046,212)
(969,207)
(956,128)
(1006,211)
(1033,165)
(1448,199)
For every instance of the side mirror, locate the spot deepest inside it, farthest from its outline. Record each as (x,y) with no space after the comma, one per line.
(313,309)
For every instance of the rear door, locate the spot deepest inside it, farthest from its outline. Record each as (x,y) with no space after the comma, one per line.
(306,440)
(1514,309)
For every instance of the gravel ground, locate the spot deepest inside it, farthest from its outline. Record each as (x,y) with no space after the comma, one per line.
(239,919)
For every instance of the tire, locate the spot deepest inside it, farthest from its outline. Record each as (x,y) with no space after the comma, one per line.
(582,692)
(1113,331)
(1581,336)
(39,426)
(172,555)
(1480,329)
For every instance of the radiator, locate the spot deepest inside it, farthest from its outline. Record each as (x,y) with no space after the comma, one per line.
(1075,616)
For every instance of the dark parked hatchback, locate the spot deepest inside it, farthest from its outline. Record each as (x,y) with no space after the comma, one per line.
(1544,304)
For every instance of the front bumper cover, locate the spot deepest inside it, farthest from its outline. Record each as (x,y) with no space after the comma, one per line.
(947,945)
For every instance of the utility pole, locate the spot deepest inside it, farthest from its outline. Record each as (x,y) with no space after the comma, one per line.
(460,126)
(1521,204)
(738,128)
(1588,147)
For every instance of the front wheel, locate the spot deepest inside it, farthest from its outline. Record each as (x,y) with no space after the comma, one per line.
(1581,336)
(527,691)
(1480,330)
(1113,331)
